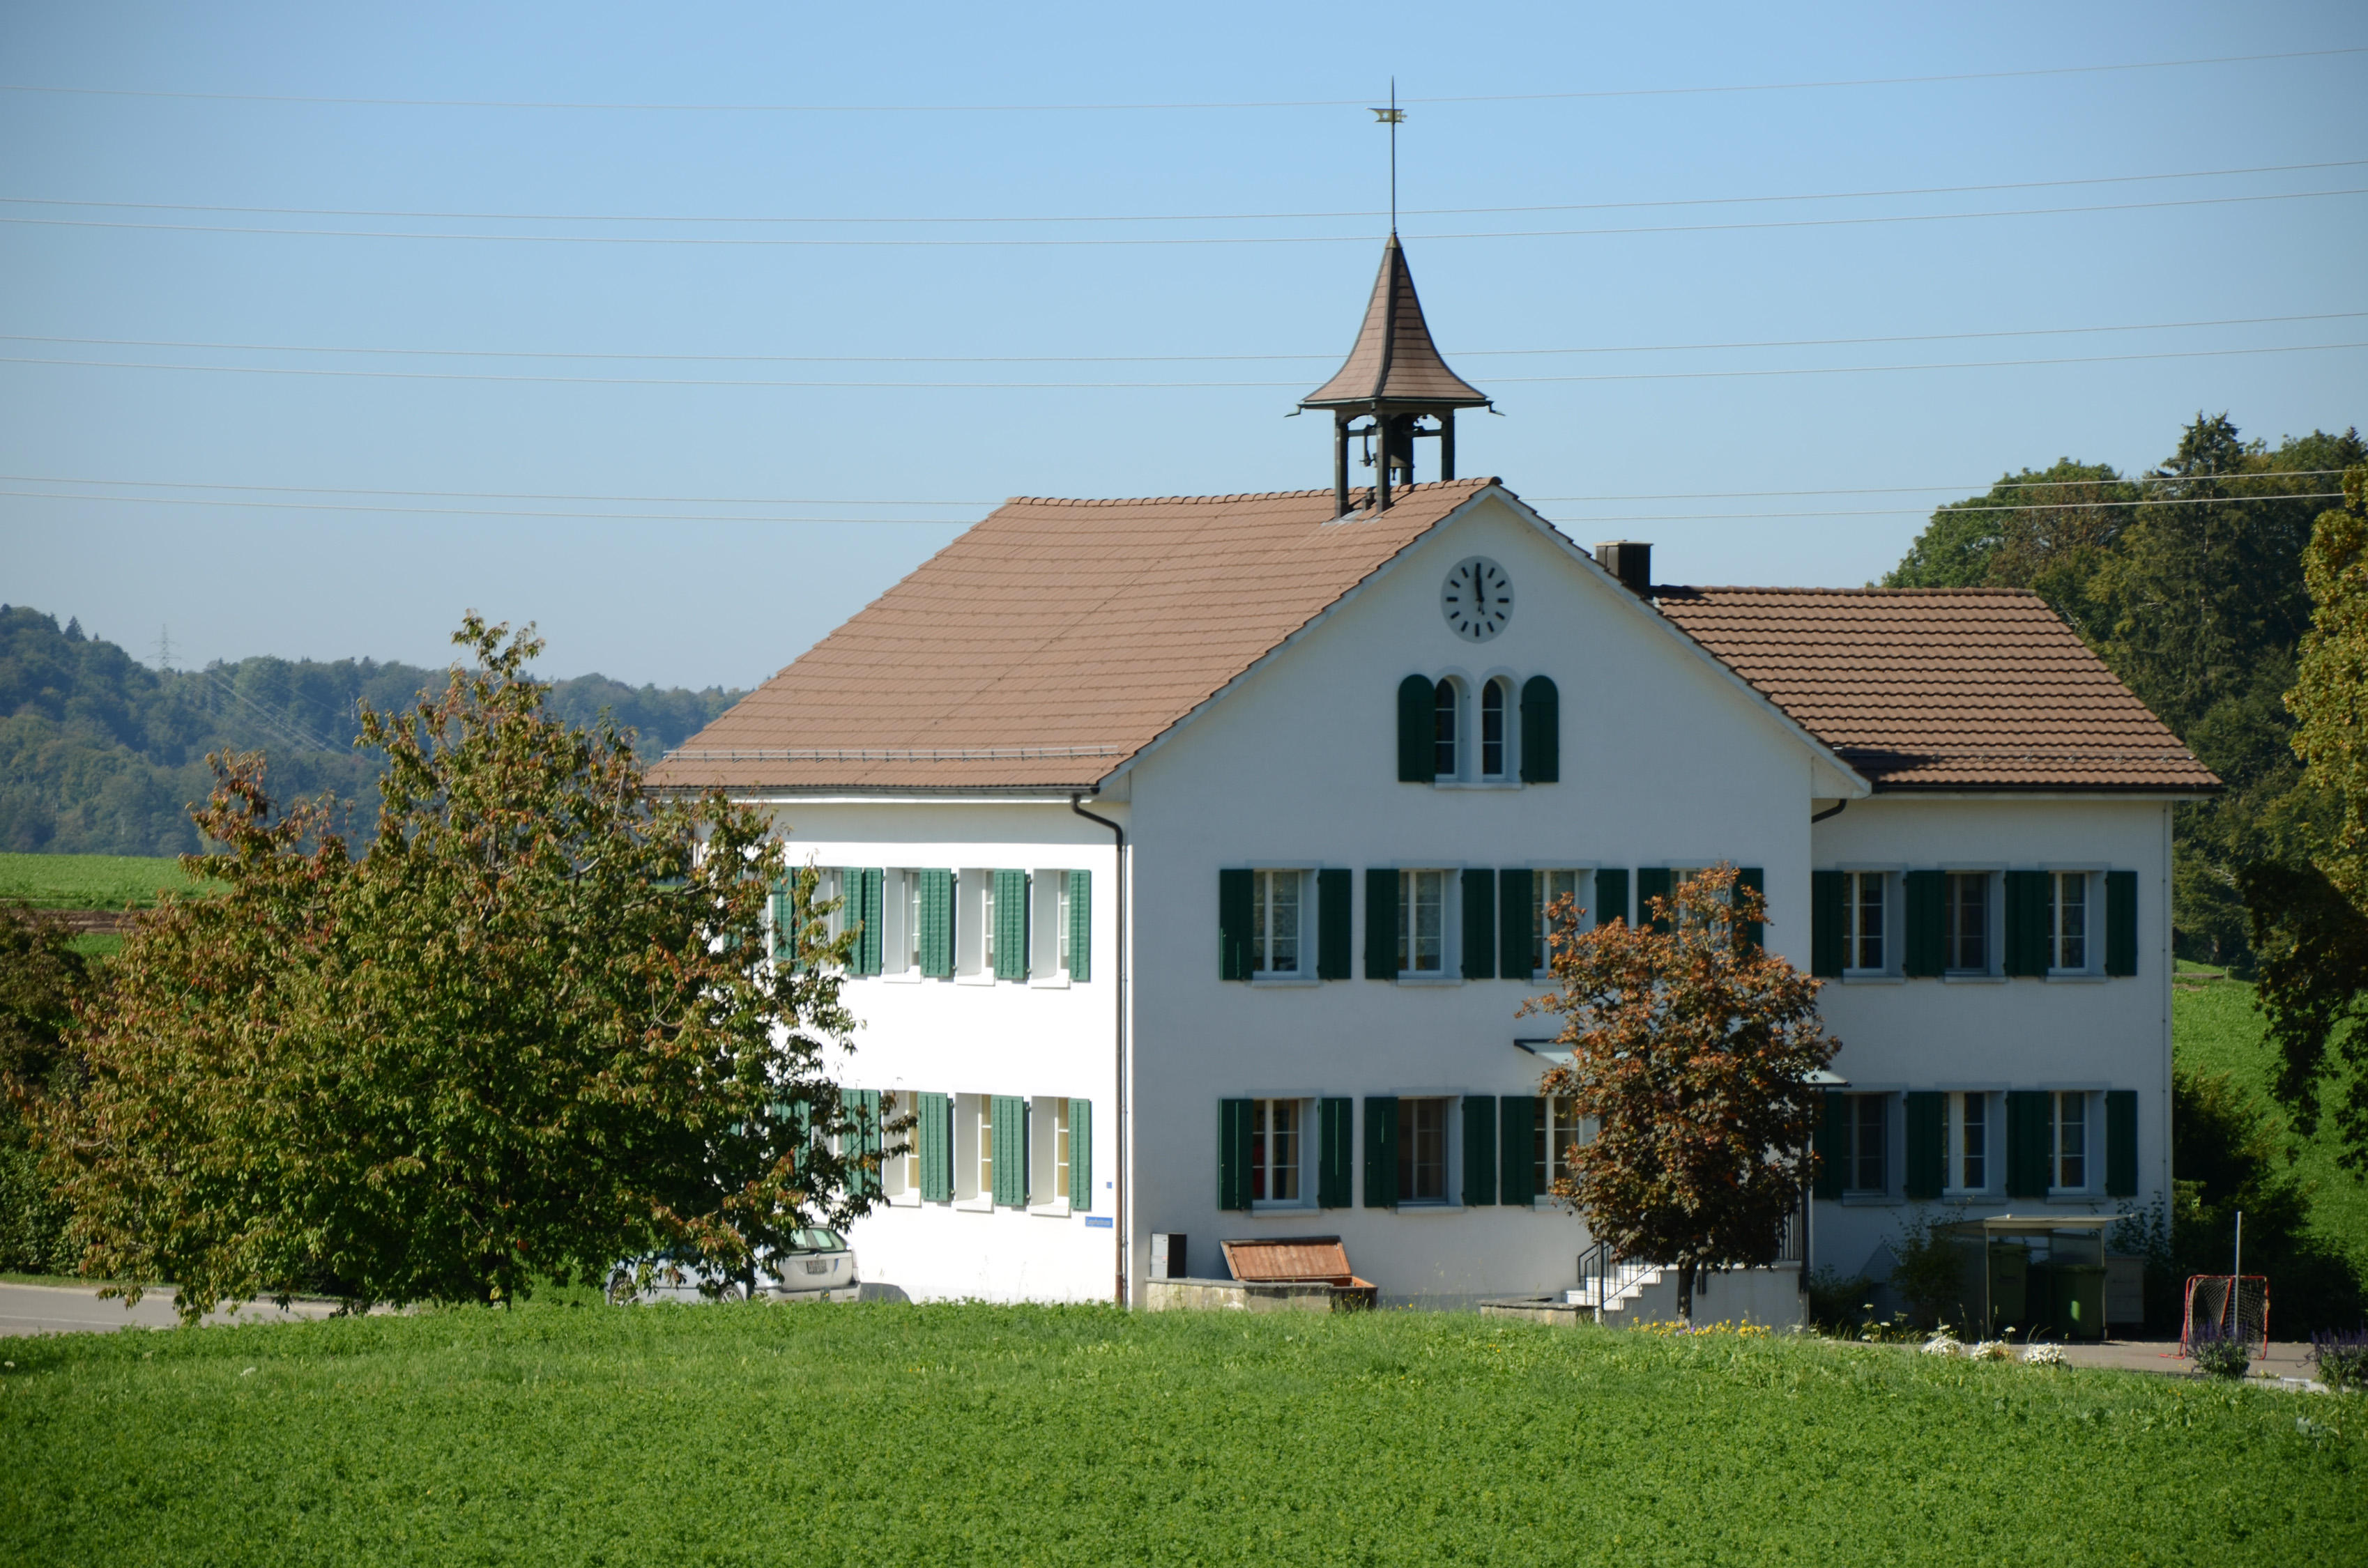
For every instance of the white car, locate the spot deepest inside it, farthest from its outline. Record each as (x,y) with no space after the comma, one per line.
(817,1266)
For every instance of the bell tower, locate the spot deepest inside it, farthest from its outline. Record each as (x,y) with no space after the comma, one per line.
(1394,380)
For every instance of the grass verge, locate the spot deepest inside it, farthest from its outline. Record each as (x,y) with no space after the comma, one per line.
(903,1434)
(2215,1028)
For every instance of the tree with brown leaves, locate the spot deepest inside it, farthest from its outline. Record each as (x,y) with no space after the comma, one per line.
(1690,1051)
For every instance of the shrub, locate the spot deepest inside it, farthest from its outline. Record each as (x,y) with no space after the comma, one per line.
(2220,1354)
(2342,1359)
(1837,1300)
(1929,1271)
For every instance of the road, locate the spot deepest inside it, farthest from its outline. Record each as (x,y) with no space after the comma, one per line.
(76,1309)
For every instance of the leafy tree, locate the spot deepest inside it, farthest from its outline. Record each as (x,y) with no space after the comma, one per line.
(2330,699)
(528,1034)
(42,977)
(1690,1049)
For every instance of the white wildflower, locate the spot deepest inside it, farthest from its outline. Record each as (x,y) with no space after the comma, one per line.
(2044,1355)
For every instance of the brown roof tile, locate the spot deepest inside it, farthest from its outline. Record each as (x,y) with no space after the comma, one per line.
(1940,689)
(1052,642)
(1394,360)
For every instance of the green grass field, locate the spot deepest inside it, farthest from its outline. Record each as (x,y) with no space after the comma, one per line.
(958,1434)
(2214,1028)
(89,881)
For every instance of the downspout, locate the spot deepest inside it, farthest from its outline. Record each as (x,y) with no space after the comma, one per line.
(1817,817)
(1118,1040)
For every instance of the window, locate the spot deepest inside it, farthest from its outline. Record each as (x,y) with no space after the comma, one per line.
(1061,930)
(1050,903)
(2071,1143)
(986,924)
(1869,1128)
(1443,726)
(1422,922)
(1863,914)
(1277,1144)
(1422,1150)
(1969,1142)
(900,1174)
(973,1151)
(1557,1128)
(1492,730)
(908,906)
(982,1145)
(1277,899)
(2067,925)
(1544,888)
(1965,923)
(1048,1151)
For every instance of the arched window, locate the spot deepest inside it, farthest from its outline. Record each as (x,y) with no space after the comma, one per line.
(1492,730)
(1443,730)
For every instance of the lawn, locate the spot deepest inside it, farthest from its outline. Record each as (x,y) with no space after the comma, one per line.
(900,1434)
(2214,1028)
(89,881)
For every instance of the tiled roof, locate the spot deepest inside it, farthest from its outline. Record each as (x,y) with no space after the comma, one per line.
(1052,642)
(1394,360)
(1940,689)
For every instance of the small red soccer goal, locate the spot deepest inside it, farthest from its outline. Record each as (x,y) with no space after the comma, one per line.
(2227,1306)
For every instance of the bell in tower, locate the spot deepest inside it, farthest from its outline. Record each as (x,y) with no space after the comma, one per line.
(1394,379)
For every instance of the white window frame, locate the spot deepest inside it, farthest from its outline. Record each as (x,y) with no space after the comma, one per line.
(1048,1151)
(2092,925)
(1048,928)
(1993,1123)
(973,1116)
(1853,931)
(973,914)
(1451,926)
(1854,1146)
(1509,745)
(1993,923)
(2089,1184)
(1458,727)
(1301,1165)
(1450,1144)
(1583,895)
(1555,1130)
(1263,878)
(900,1174)
(900,895)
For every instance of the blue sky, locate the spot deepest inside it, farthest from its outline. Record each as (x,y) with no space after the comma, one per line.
(701,601)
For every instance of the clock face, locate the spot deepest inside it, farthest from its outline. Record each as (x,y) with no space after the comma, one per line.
(1476,598)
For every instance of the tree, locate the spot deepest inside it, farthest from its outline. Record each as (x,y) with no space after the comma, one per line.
(1690,1051)
(528,1034)
(42,977)
(2330,699)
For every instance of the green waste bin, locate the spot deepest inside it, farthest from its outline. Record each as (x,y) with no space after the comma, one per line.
(2079,1298)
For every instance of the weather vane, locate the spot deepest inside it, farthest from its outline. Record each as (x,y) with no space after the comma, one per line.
(1393,117)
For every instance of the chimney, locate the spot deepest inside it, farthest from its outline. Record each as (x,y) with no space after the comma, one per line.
(1630,560)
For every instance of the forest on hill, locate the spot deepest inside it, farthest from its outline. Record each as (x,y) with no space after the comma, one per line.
(2187,581)
(101,754)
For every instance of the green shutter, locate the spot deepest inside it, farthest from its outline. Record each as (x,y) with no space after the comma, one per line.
(1752,933)
(2121,922)
(1381,924)
(1927,1137)
(1479,924)
(1927,936)
(1611,894)
(1381,1150)
(1233,1154)
(1513,934)
(1517,1123)
(780,940)
(937,928)
(1081,1154)
(2121,1143)
(1336,1169)
(1236,890)
(2026,922)
(861,1141)
(1479,1149)
(1826,892)
(934,1133)
(2027,1133)
(871,909)
(1540,732)
(1009,1114)
(1335,922)
(1011,925)
(1417,762)
(1081,925)
(1652,882)
(1832,1141)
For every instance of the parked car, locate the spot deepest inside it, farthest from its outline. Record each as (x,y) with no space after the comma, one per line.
(817,1266)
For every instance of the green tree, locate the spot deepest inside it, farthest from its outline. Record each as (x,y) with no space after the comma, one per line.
(42,979)
(1690,1048)
(528,1034)
(2330,699)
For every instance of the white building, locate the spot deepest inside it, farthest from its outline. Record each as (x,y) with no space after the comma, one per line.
(1198,843)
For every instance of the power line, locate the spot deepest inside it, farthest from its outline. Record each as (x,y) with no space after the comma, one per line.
(1177,217)
(1101,108)
(2007,482)
(1157,359)
(1167,386)
(735,242)
(959,523)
